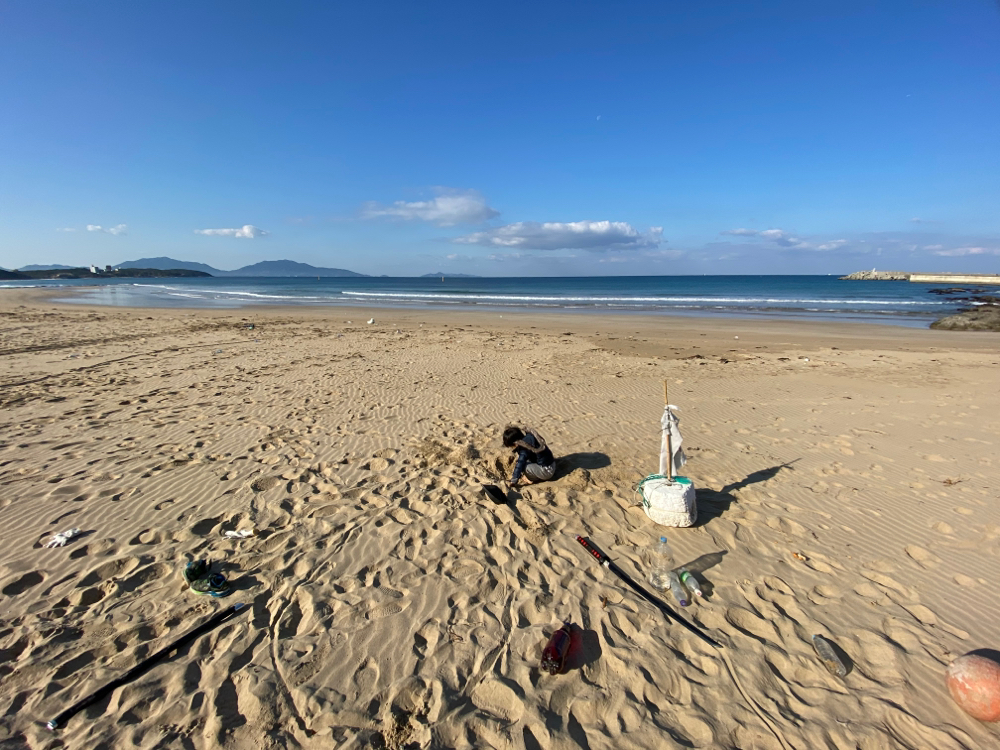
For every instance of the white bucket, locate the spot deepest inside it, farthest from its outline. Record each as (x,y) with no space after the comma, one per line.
(669,502)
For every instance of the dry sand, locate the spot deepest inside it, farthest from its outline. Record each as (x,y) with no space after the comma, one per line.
(846,480)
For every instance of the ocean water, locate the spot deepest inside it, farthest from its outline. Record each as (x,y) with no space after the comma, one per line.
(816,297)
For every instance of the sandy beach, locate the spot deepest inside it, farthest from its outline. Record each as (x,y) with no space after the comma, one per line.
(847,482)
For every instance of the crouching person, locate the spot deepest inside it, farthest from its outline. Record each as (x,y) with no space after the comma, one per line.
(535,461)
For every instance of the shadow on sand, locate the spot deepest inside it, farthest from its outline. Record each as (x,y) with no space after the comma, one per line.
(713,503)
(572,461)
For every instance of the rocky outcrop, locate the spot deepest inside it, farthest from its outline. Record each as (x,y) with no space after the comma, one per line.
(981,319)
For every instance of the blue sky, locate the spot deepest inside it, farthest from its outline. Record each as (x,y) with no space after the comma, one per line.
(504,139)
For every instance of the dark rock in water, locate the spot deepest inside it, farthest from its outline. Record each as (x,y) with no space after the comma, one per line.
(985,318)
(957,290)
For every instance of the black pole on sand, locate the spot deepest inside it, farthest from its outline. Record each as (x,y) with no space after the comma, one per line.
(604,560)
(142,666)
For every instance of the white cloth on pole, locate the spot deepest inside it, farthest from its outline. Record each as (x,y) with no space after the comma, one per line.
(669,426)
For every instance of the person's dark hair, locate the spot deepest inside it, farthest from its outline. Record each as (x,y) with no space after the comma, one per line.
(511,434)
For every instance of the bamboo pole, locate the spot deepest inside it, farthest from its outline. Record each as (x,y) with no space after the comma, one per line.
(670,446)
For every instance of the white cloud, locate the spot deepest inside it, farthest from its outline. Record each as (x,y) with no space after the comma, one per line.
(832,245)
(501,257)
(576,235)
(773,234)
(119,229)
(962,251)
(786,239)
(448,208)
(247,232)
(66,229)
(767,234)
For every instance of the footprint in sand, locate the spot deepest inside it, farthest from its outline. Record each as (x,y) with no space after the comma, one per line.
(750,624)
(921,614)
(384,610)
(366,677)
(924,558)
(87,597)
(22,584)
(265,483)
(493,697)
(148,536)
(824,594)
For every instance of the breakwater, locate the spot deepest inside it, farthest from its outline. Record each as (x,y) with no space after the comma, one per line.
(874,275)
(924,278)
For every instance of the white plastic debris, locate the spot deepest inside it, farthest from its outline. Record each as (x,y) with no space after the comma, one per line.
(242,534)
(60,539)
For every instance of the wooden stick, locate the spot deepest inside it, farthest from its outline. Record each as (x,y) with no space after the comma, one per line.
(670,457)
(142,666)
(670,447)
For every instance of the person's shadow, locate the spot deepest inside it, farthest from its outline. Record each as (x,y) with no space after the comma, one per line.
(570,462)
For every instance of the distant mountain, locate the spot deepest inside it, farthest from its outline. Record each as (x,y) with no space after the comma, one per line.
(439,274)
(169,264)
(288,268)
(279,268)
(52,267)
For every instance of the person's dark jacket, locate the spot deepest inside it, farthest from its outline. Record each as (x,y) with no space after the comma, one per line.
(543,457)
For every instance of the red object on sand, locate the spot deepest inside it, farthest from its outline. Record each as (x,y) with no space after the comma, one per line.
(556,650)
(974,684)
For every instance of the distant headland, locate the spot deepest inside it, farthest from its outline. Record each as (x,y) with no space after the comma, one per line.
(66,272)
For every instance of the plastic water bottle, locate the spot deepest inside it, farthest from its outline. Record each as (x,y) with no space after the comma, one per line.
(663,564)
(688,579)
(677,589)
(831,660)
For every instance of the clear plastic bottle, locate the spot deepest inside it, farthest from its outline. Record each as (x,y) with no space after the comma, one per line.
(688,579)
(828,655)
(662,564)
(678,590)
